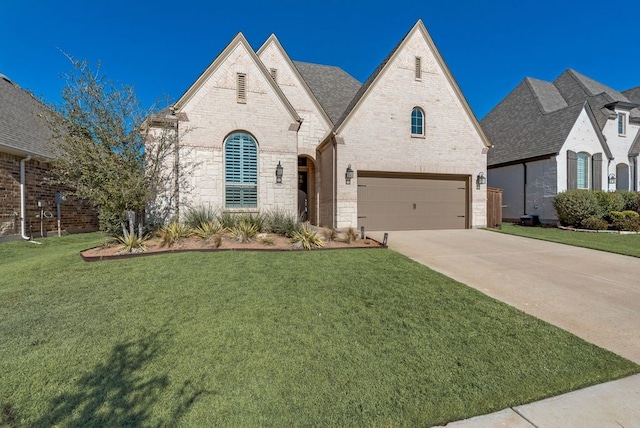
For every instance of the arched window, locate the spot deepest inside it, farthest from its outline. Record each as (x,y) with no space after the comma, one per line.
(622,176)
(241,171)
(417,121)
(583,170)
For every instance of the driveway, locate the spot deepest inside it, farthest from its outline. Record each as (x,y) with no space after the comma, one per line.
(592,294)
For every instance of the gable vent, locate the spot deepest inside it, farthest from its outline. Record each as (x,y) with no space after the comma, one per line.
(418,67)
(241,88)
(274,74)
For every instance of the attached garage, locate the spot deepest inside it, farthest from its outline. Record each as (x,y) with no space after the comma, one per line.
(412,201)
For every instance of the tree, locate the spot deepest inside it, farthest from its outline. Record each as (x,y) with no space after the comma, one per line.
(107,151)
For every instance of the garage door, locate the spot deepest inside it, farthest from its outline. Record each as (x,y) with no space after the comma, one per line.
(412,203)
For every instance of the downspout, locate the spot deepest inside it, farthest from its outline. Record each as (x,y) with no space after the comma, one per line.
(524,189)
(23,198)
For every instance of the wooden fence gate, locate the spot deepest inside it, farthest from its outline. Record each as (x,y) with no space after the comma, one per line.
(494,207)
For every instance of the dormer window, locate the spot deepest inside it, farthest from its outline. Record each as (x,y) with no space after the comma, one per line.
(622,124)
(241,88)
(418,68)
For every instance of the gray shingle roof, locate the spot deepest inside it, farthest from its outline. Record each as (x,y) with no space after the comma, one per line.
(23,128)
(535,119)
(333,87)
(633,94)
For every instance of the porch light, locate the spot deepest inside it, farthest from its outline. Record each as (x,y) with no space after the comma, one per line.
(279,172)
(480,180)
(348,175)
(612,179)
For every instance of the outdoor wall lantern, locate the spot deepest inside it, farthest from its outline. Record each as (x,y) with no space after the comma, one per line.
(348,175)
(480,179)
(612,179)
(279,172)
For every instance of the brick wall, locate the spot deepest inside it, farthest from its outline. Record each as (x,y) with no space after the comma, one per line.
(76,215)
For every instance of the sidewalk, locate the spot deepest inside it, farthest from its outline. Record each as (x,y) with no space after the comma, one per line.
(563,285)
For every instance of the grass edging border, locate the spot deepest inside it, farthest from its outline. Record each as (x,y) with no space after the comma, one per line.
(91,259)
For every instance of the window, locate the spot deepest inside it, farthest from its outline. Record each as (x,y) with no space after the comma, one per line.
(241,88)
(418,68)
(622,124)
(417,122)
(583,171)
(241,171)
(274,74)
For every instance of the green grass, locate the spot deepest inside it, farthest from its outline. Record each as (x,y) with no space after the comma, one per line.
(628,245)
(328,338)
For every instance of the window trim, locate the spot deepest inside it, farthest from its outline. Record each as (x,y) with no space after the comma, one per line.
(421,134)
(586,174)
(622,124)
(253,183)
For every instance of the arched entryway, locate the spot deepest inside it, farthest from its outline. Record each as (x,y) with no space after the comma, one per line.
(307,207)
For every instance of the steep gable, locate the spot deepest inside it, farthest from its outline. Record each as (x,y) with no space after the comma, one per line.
(433,65)
(237,57)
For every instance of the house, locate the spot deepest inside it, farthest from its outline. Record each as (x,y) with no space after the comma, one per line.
(572,133)
(401,151)
(28,201)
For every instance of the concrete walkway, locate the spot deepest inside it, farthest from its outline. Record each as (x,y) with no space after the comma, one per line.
(592,294)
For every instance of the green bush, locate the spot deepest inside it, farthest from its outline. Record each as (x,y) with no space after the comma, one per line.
(631,200)
(573,206)
(594,223)
(609,201)
(227,219)
(255,219)
(625,220)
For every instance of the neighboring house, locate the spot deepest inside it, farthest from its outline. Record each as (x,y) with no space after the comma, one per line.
(572,133)
(401,151)
(27,200)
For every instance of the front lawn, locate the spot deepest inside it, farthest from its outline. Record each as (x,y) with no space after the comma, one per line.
(628,245)
(333,338)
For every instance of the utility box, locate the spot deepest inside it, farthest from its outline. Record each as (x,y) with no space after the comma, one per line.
(529,220)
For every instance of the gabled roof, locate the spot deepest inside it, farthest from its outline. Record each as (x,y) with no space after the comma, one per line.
(239,39)
(23,128)
(535,119)
(371,81)
(305,85)
(333,87)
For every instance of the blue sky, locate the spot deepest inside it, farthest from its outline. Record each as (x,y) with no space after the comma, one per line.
(161,47)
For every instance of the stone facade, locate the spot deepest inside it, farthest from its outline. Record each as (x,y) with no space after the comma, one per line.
(75,215)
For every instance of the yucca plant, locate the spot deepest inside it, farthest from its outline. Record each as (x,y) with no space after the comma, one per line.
(255,219)
(196,217)
(306,238)
(132,243)
(208,230)
(282,223)
(173,232)
(244,231)
(227,219)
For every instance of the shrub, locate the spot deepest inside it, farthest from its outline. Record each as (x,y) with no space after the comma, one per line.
(208,230)
(306,238)
(626,220)
(608,201)
(631,200)
(281,223)
(244,231)
(227,219)
(594,223)
(173,232)
(256,219)
(573,206)
(349,235)
(196,217)
(266,239)
(330,234)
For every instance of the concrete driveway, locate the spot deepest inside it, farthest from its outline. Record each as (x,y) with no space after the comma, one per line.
(592,294)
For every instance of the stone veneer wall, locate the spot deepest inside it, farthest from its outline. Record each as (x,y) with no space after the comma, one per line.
(76,215)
